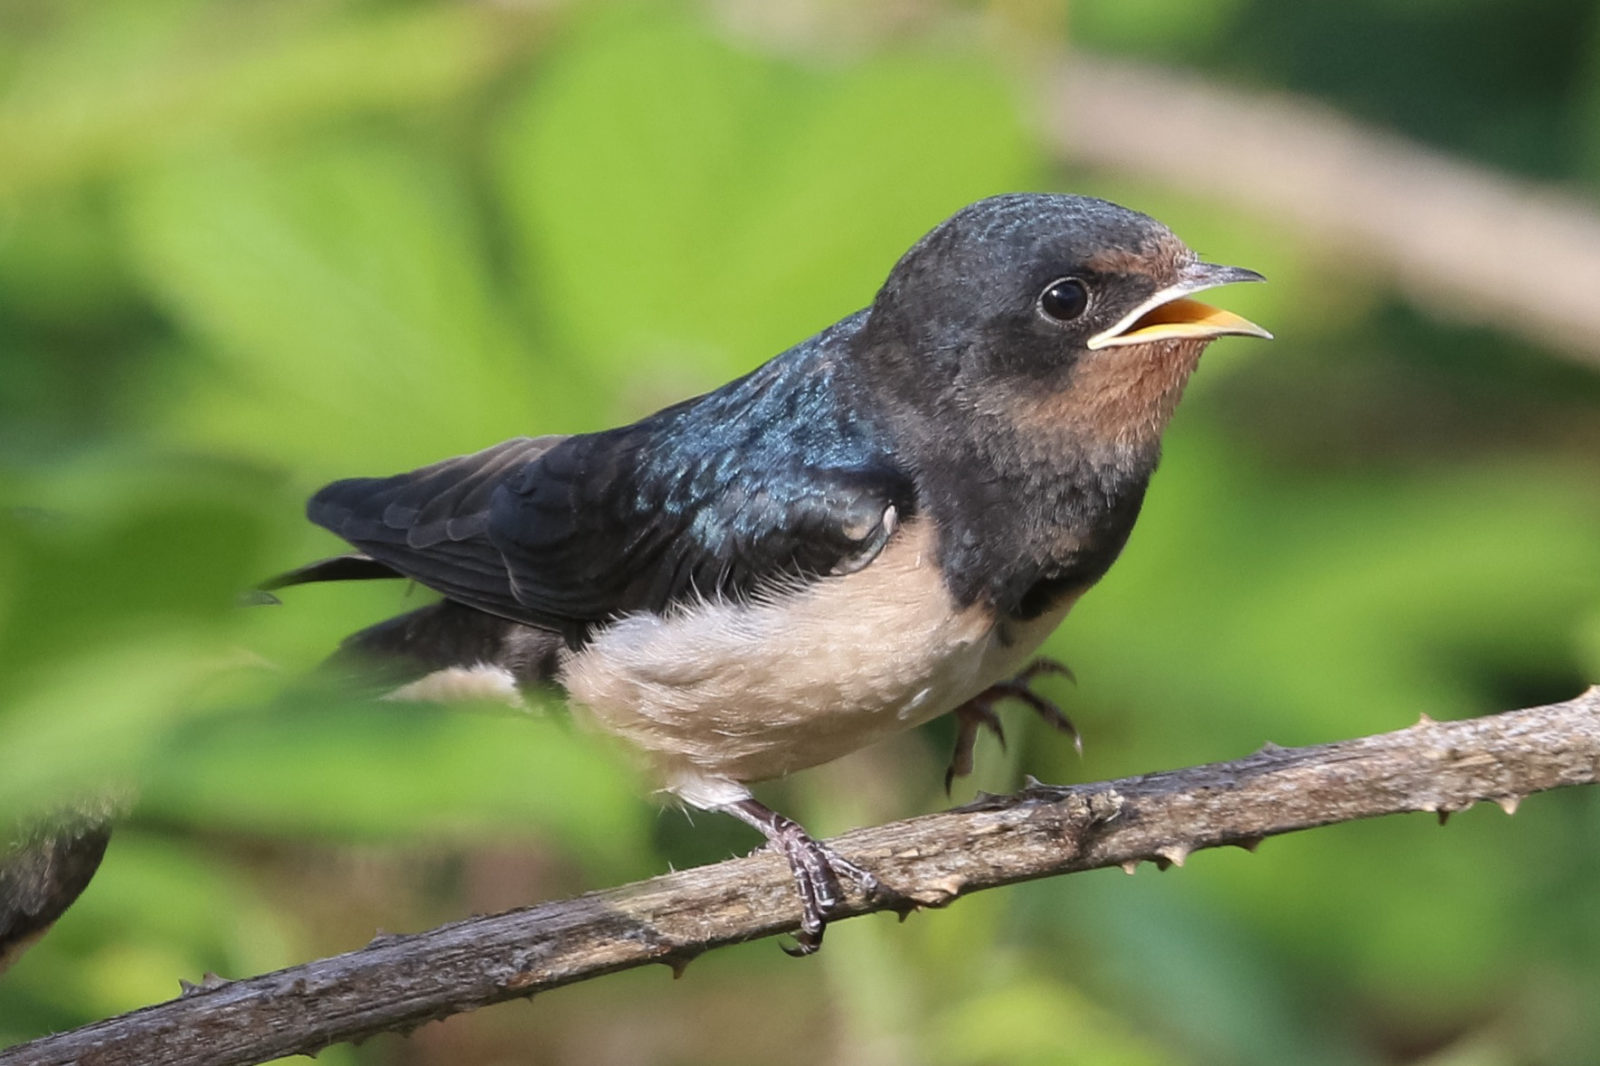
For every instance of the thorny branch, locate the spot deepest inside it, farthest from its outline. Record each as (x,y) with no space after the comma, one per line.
(399,982)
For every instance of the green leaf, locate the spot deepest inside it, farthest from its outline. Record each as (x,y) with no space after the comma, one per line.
(397,771)
(1031,1020)
(103,87)
(344,297)
(672,194)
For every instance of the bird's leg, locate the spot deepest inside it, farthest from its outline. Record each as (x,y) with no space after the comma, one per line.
(978,712)
(816,869)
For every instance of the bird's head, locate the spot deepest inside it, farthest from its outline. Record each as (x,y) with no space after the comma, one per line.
(1058,316)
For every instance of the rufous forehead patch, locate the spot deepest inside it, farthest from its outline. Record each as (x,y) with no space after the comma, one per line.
(1160,260)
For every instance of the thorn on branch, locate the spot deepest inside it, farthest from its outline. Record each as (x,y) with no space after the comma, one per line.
(1174,854)
(207,982)
(677,961)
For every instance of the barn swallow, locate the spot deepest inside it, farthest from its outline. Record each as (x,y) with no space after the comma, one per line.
(876,527)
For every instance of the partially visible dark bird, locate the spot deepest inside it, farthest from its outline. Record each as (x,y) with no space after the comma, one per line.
(41,876)
(876,527)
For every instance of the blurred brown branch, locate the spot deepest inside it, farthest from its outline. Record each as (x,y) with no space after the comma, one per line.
(1468,243)
(399,982)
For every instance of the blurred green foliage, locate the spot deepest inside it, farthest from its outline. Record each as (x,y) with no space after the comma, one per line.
(248,247)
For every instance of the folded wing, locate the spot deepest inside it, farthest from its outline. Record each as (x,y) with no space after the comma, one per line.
(564,533)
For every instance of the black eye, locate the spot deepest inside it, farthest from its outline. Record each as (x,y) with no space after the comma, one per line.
(1064,299)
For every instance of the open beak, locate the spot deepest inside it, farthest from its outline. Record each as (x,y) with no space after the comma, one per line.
(1170,314)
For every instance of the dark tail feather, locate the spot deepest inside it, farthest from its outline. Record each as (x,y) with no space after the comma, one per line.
(443,635)
(352,567)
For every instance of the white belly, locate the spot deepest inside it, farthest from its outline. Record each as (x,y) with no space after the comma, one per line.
(722,694)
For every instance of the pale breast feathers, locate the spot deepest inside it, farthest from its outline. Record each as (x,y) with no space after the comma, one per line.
(751,691)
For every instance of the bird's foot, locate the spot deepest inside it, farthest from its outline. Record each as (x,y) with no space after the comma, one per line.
(817,871)
(978,713)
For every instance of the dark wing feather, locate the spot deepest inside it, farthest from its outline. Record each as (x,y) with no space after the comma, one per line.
(772,477)
(564,535)
(598,527)
(428,524)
